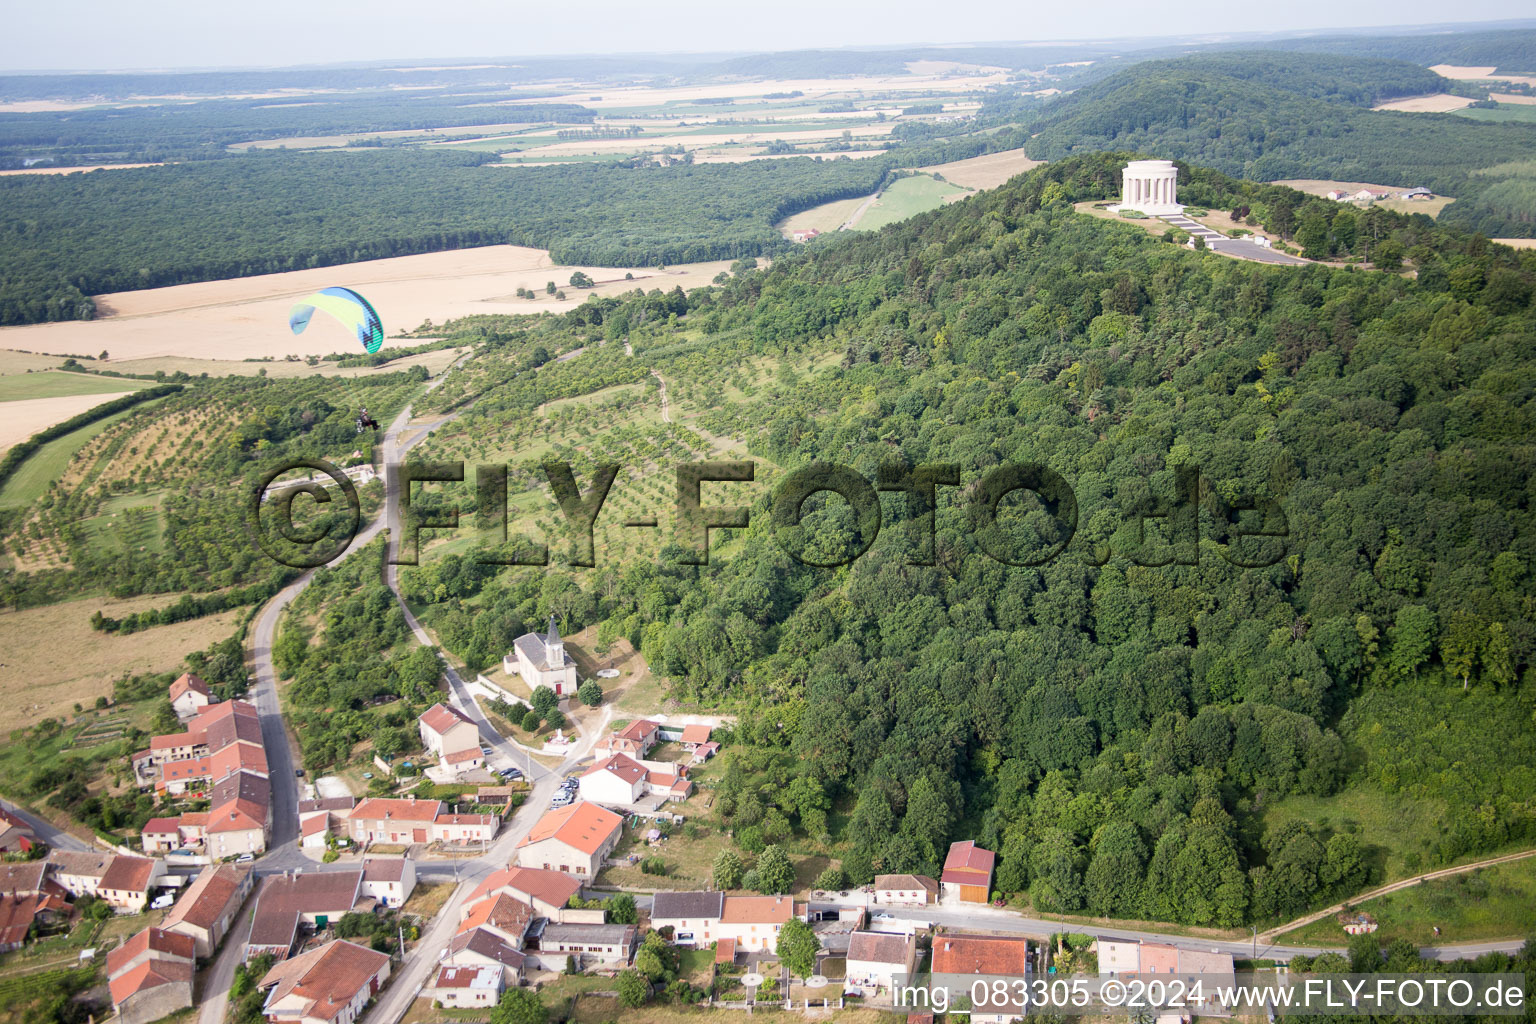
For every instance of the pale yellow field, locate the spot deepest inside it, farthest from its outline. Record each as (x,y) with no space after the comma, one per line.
(1475,73)
(76,170)
(1516,243)
(40,106)
(988,171)
(51,658)
(826,217)
(814,89)
(23,362)
(247,318)
(435,362)
(1437,103)
(696,142)
(704,156)
(1428,207)
(20,420)
(323,141)
(1512,97)
(1321,186)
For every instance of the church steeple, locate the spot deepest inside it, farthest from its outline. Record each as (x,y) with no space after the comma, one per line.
(554,647)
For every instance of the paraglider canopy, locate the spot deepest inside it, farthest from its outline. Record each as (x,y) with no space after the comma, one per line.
(345,305)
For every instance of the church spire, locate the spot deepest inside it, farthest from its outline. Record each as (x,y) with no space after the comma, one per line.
(552,639)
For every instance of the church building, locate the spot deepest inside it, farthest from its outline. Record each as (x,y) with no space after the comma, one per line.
(542,661)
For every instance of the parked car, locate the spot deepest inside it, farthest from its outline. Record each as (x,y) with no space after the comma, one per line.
(244,858)
(884,917)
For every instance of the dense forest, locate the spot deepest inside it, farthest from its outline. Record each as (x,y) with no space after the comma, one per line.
(1267,116)
(1118,720)
(206,130)
(276,212)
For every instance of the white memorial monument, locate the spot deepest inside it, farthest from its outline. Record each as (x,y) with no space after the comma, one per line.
(1150,187)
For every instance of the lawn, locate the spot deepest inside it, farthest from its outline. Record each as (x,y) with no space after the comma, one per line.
(48,463)
(126,522)
(1498,902)
(906,197)
(60,383)
(1504,112)
(1396,831)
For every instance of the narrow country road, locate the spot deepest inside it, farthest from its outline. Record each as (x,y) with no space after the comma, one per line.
(860,211)
(1460,869)
(666,417)
(56,838)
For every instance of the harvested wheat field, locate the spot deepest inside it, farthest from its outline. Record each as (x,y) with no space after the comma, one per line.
(1322,186)
(988,171)
(247,317)
(813,88)
(51,658)
(20,420)
(1516,243)
(77,170)
(1436,103)
(1475,73)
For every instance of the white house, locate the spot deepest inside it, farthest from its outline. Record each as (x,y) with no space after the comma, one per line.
(620,779)
(906,890)
(468,987)
(542,661)
(446,730)
(593,945)
(328,985)
(573,839)
(754,921)
(876,958)
(187,694)
(1118,956)
(389,879)
(694,917)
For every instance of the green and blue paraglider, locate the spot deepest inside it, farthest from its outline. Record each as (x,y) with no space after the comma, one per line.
(345,305)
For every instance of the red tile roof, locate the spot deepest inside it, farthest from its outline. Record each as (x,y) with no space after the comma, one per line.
(149,974)
(968,864)
(696,733)
(581,826)
(440,718)
(498,911)
(209,895)
(241,755)
(980,954)
(128,874)
(326,979)
(155,940)
(625,767)
(725,951)
(187,681)
(757,910)
(461,756)
(161,827)
(640,729)
(378,808)
(554,888)
(880,947)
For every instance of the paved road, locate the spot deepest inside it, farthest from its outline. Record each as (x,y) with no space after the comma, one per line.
(56,838)
(1237,247)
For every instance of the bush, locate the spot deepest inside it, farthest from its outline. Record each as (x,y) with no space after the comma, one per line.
(531,721)
(590,693)
(653,866)
(832,878)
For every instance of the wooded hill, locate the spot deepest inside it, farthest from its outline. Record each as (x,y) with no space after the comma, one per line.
(1119,731)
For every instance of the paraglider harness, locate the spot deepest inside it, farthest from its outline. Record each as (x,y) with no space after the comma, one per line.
(364,420)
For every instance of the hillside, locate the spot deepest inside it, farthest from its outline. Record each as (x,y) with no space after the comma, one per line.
(1268,116)
(1132,722)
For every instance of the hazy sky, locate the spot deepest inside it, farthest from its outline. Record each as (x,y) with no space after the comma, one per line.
(106,34)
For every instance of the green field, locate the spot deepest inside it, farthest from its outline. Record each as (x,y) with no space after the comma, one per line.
(1397,832)
(905,198)
(1505,112)
(60,384)
(128,522)
(48,463)
(1483,905)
